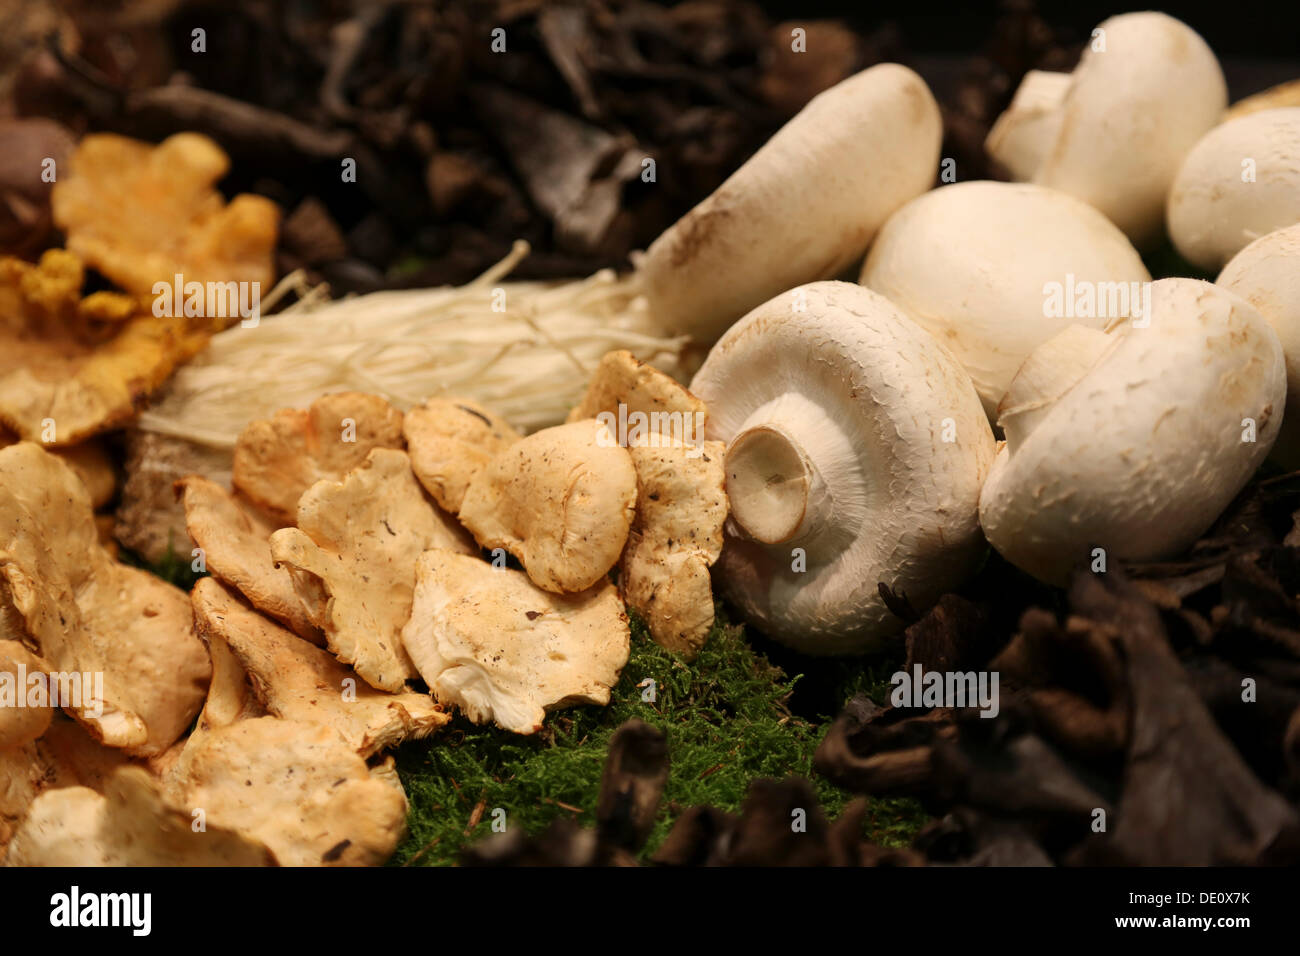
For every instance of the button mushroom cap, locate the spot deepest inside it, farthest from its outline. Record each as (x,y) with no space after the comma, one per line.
(1135,440)
(1267,275)
(804,207)
(1240,181)
(1156,83)
(970,264)
(856,447)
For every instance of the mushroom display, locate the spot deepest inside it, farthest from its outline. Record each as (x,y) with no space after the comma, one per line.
(1129,443)
(84,612)
(278,458)
(298,681)
(560,500)
(235,541)
(131,824)
(973,264)
(804,207)
(1267,275)
(501,649)
(1146,78)
(352,561)
(20,722)
(1241,181)
(681,505)
(449,440)
(296,787)
(853,461)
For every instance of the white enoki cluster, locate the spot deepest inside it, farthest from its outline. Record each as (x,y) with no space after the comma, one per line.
(524,349)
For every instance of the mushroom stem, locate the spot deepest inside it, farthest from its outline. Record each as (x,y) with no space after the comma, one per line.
(1023,134)
(774,488)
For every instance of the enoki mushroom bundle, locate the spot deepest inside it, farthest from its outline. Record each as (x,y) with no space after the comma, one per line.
(524,349)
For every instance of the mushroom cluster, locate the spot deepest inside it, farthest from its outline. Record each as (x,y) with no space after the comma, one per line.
(1004,372)
(357,552)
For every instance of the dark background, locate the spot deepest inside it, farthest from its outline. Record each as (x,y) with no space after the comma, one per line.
(1250,28)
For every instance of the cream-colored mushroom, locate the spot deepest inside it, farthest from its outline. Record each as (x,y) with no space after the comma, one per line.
(449,441)
(1128,444)
(804,207)
(1275,97)
(1267,275)
(86,613)
(235,540)
(991,271)
(676,535)
(856,447)
(298,681)
(296,787)
(1145,79)
(490,642)
(352,561)
(1241,181)
(22,719)
(560,500)
(132,824)
(279,458)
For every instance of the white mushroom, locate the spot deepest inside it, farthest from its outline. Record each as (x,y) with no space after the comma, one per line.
(1267,275)
(1240,182)
(856,447)
(804,207)
(1146,79)
(975,265)
(1134,441)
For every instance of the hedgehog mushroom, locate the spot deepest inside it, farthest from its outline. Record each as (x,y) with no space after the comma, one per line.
(990,301)
(1146,78)
(853,461)
(560,500)
(1129,444)
(449,441)
(1267,275)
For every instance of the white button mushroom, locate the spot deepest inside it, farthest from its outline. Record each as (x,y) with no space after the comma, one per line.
(804,207)
(1267,275)
(1240,182)
(1114,131)
(856,447)
(1134,441)
(975,265)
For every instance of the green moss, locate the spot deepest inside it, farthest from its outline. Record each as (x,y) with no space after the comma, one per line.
(727,720)
(173,568)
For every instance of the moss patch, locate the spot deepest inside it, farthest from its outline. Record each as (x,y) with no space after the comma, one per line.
(728,721)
